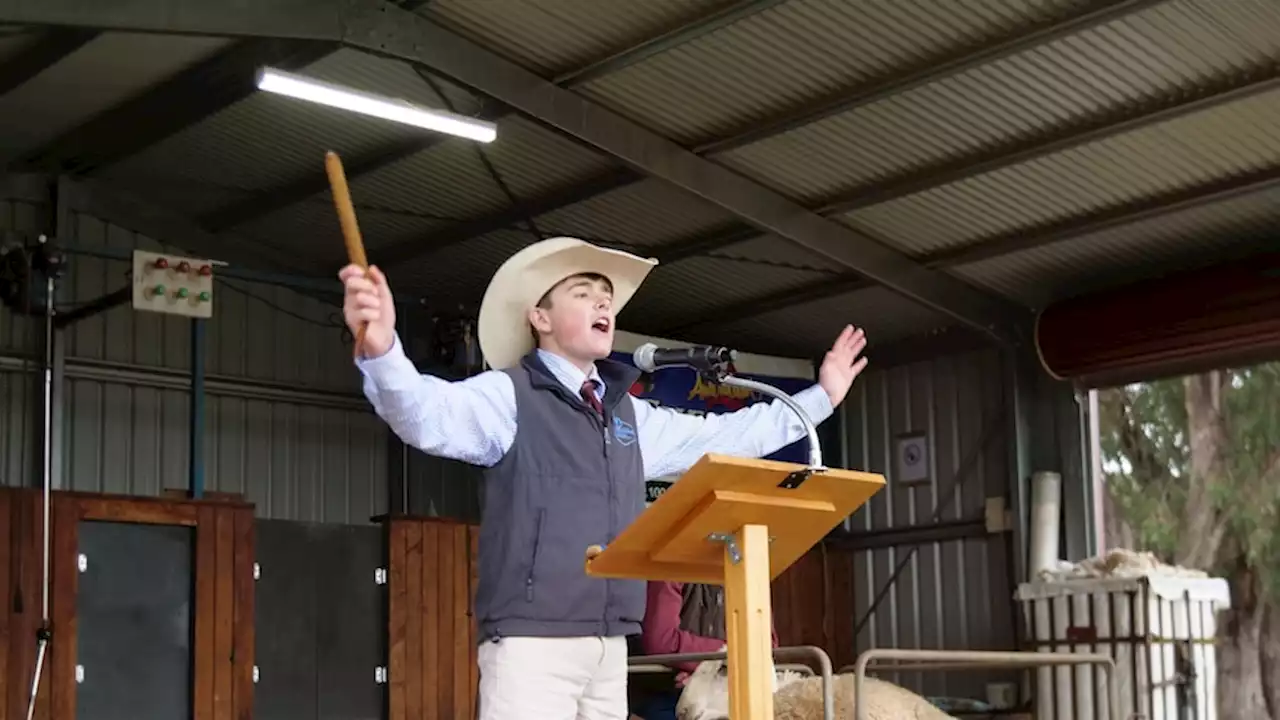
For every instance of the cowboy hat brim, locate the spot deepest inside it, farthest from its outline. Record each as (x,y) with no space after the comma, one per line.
(521,281)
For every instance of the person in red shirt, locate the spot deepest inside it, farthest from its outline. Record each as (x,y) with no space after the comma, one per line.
(680,618)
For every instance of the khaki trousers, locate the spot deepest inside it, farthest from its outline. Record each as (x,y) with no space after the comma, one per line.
(553,678)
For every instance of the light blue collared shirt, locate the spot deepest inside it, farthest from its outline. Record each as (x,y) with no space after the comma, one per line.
(474,420)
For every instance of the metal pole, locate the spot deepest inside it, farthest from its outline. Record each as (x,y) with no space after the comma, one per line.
(978,659)
(815,447)
(196,461)
(51,265)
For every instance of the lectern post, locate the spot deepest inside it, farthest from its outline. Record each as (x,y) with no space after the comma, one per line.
(748,623)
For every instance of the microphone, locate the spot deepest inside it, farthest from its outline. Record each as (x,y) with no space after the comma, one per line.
(650,357)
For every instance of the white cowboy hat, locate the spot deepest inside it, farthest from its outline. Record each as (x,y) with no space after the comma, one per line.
(521,281)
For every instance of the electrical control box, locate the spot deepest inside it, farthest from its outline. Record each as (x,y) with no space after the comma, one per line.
(172,284)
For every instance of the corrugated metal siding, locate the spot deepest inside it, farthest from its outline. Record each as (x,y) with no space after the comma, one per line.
(293,461)
(952,595)
(444,488)
(257,331)
(19,221)
(321,457)
(19,451)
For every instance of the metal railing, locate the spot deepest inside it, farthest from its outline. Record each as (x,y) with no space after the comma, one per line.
(659,663)
(921,660)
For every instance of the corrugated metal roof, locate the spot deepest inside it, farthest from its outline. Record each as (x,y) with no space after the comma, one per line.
(15,39)
(668,298)
(782,59)
(268,140)
(810,329)
(779,251)
(458,274)
(1199,235)
(105,71)
(550,37)
(438,187)
(643,214)
(1177,44)
(1181,153)
(791,54)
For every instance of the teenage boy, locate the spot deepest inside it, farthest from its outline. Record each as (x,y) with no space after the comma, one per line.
(566,451)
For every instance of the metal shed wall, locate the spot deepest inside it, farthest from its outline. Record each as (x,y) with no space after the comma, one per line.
(954,593)
(286,423)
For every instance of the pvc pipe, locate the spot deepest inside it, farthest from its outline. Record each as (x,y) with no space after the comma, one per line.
(1046,507)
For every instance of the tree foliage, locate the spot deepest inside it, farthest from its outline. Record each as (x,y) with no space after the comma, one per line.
(1221,514)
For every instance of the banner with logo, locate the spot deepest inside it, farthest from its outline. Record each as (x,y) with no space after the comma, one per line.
(684,390)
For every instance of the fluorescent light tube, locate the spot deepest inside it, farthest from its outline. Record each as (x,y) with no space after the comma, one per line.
(323,93)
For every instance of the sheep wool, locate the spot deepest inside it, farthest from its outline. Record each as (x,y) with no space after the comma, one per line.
(802,700)
(797,697)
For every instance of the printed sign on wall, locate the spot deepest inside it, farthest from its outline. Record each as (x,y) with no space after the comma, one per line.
(683,390)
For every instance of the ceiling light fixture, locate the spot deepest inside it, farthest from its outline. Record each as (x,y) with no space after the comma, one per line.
(323,93)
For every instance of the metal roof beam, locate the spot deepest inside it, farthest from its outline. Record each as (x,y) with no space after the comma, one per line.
(276,19)
(176,103)
(29,62)
(184,99)
(959,60)
(382,29)
(929,70)
(1107,124)
(310,184)
(673,38)
(1014,241)
(128,210)
(396,253)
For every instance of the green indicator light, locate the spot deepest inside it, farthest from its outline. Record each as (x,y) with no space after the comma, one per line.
(183,292)
(204,296)
(159,290)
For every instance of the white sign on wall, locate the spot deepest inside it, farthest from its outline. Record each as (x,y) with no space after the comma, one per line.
(911,458)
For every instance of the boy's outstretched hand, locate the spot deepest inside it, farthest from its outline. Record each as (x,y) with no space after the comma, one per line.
(368,300)
(842,364)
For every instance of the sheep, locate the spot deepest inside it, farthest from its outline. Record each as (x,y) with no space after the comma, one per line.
(799,697)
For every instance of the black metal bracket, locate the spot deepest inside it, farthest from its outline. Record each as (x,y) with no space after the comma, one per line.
(93,307)
(797,478)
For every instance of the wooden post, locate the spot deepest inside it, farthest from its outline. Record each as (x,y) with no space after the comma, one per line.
(748,623)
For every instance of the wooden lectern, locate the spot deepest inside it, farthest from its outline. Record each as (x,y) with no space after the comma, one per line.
(739,523)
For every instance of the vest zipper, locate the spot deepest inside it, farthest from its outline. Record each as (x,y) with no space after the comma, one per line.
(533,561)
(608,465)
